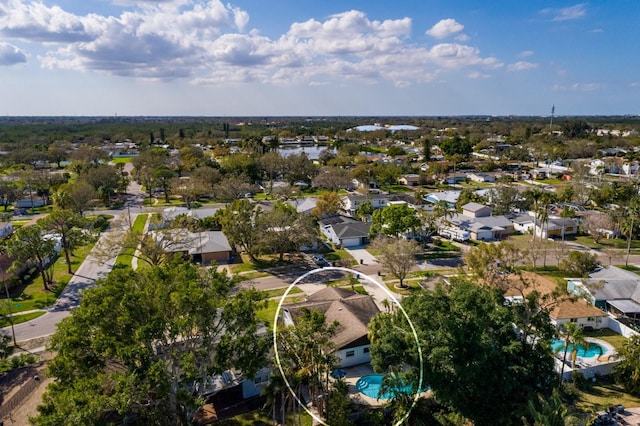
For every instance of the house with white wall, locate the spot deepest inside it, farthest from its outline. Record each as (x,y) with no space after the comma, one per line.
(345,231)
(353,201)
(351,310)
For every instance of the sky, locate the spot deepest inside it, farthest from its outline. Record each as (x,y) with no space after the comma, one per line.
(318,58)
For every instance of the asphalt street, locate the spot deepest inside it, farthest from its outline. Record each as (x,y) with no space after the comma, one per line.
(91,270)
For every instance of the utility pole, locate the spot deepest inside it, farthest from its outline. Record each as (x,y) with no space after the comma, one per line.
(6,289)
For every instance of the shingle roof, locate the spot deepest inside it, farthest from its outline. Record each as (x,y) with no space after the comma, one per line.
(352,310)
(474,207)
(575,309)
(352,230)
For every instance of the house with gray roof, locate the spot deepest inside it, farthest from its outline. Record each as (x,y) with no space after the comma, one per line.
(345,231)
(478,221)
(611,289)
(304,205)
(351,310)
(202,247)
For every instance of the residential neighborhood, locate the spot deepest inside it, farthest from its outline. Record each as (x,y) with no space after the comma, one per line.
(303,273)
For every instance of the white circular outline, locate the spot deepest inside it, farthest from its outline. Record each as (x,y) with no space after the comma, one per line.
(388,293)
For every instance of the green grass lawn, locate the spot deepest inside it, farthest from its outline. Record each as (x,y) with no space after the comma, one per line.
(34,296)
(126,256)
(614,339)
(614,243)
(268,312)
(338,254)
(18,223)
(262,418)
(277,292)
(19,319)
(600,397)
(122,160)
(396,188)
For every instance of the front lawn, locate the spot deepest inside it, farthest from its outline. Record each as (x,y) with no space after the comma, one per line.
(33,295)
(396,188)
(19,319)
(268,312)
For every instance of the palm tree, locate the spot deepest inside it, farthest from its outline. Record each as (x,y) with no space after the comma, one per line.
(571,335)
(632,211)
(442,210)
(535,195)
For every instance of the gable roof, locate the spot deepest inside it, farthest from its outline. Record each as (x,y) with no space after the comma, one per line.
(475,207)
(352,230)
(352,310)
(336,219)
(575,309)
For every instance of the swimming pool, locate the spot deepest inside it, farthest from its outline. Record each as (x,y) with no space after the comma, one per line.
(592,349)
(370,386)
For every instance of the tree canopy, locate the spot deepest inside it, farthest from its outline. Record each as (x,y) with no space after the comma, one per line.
(394,220)
(140,341)
(476,362)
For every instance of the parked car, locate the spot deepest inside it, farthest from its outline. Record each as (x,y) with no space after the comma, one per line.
(320,261)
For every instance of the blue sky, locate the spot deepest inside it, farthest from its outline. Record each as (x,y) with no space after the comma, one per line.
(347,57)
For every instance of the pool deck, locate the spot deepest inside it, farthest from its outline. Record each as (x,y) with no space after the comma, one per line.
(608,355)
(353,374)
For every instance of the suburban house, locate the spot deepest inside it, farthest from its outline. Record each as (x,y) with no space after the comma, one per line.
(579,312)
(481,177)
(353,201)
(450,197)
(454,178)
(557,227)
(409,180)
(478,221)
(171,213)
(345,231)
(30,202)
(202,247)
(568,310)
(524,224)
(611,289)
(304,205)
(351,310)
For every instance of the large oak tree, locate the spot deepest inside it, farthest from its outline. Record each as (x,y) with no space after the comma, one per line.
(140,341)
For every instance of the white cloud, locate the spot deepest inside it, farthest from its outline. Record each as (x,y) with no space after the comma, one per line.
(567,13)
(462,38)
(521,66)
(453,55)
(11,55)
(525,54)
(37,22)
(205,42)
(445,28)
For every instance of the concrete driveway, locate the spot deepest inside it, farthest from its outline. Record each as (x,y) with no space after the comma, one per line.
(362,255)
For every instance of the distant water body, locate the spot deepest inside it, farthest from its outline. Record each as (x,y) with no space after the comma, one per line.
(312,151)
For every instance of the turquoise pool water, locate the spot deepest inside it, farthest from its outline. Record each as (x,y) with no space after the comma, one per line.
(592,349)
(370,386)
